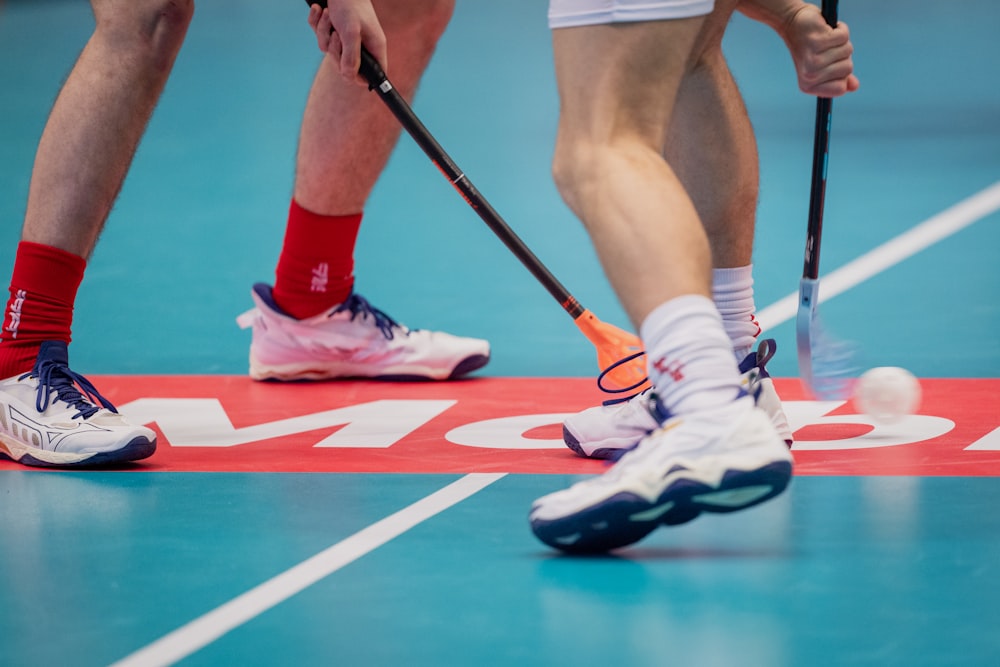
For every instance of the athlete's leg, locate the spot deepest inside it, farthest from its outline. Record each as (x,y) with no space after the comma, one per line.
(617,84)
(347,133)
(712,145)
(98,119)
(82,159)
(715,451)
(346,138)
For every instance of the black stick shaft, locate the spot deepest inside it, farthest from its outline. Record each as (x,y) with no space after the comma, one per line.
(377,80)
(821,158)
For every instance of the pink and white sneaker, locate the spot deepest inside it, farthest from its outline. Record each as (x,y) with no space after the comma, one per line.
(352,340)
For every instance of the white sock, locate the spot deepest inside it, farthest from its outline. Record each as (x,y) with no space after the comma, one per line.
(732,292)
(690,357)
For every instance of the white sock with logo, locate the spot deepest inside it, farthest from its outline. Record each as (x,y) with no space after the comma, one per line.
(690,357)
(732,292)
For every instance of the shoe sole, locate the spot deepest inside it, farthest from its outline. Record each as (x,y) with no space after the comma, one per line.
(137,449)
(299,372)
(609,450)
(626,518)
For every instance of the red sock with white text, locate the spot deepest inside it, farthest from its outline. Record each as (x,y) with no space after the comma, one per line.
(316,268)
(43,290)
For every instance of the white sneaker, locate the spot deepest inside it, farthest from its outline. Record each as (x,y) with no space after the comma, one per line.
(605,431)
(692,464)
(758,383)
(48,418)
(353,339)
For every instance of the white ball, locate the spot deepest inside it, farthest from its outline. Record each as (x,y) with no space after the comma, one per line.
(887,393)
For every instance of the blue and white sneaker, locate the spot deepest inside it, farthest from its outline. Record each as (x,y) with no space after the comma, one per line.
(48,418)
(603,432)
(352,340)
(720,460)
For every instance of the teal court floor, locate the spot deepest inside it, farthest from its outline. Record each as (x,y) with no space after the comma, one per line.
(289,525)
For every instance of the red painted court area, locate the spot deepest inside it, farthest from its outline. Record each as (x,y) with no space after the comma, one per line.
(230,423)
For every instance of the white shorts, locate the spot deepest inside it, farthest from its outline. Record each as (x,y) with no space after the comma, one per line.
(570,13)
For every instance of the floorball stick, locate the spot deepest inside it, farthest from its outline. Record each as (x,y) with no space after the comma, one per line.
(612,343)
(824,363)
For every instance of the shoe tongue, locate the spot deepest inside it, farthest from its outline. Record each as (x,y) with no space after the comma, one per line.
(54,350)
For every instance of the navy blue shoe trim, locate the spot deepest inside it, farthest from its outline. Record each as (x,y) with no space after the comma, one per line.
(609,525)
(464,367)
(266,294)
(469,364)
(355,304)
(138,448)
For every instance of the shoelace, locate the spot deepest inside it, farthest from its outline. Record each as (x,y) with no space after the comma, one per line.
(56,378)
(358,305)
(623,390)
(758,359)
(657,410)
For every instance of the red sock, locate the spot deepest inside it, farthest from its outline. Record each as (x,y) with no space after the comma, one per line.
(316,268)
(42,293)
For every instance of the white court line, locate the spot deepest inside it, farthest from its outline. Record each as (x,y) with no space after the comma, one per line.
(202,631)
(909,243)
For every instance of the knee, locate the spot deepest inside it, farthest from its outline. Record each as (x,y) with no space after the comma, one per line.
(436,17)
(575,168)
(420,24)
(562,168)
(152,29)
(587,169)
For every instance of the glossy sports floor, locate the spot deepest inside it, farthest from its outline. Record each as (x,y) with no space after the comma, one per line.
(266,531)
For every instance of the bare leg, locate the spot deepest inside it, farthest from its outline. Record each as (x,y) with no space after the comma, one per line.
(98,119)
(608,163)
(712,147)
(347,133)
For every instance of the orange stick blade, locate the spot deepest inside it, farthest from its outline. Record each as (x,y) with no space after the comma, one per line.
(614,344)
